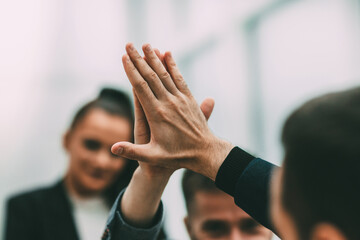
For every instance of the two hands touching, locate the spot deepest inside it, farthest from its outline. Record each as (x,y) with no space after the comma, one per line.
(149,180)
(142,131)
(179,135)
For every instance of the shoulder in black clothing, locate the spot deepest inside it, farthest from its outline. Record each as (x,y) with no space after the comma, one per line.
(43,213)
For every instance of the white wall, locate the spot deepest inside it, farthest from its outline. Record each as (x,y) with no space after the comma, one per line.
(55,55)
(306,48)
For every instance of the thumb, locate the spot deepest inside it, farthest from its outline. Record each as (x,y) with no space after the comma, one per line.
(132,151)
(207,107)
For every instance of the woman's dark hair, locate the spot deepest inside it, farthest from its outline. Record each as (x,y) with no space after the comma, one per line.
(114,102)
(110,100)
(321,181)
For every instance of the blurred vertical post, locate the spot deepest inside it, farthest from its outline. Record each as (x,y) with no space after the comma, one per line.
(255,90)
(255,84)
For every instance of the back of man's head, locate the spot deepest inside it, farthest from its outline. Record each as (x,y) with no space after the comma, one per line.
(321,180)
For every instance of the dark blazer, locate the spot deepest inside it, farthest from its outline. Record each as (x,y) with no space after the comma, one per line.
(45,213)
(40,214)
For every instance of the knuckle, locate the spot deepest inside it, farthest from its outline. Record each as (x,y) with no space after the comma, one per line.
(180,79)
(172,64)
(151,75)
(138,58)
(182,99)
(164,75)
(141,85)
(173,102)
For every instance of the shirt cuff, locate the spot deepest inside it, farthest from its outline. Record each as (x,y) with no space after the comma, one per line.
(252,192)
(231,169)
(117,228)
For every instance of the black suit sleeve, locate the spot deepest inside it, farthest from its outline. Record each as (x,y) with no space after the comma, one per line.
(18,223)
(247,179)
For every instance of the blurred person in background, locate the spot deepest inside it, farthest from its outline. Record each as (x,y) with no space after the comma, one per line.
(212,214)
(78,205)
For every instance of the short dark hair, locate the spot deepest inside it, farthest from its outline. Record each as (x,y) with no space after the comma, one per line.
(192,183)
(321,181)
(115,102)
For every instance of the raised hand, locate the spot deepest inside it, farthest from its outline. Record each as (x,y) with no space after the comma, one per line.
(148,181)
(142,131)
(179,136)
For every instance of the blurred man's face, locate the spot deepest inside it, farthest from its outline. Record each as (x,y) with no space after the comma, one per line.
(214,215)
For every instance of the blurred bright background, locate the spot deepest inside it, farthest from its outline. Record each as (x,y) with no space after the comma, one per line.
(258,59)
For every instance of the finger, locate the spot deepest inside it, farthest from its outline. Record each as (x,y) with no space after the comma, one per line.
(207,106)
(175,74)
(161,57)
(139,112)
(141,127)
(146,72)
(139,152)
(145,94)
(155,63)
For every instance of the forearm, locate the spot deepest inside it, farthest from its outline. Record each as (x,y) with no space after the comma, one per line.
(142,197)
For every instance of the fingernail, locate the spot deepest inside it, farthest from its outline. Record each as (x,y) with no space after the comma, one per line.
(148,48)
(131,46)
(119,150)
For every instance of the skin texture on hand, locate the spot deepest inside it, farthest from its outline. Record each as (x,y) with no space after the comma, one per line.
(180,136)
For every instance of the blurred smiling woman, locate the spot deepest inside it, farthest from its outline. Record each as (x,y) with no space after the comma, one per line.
(78,205)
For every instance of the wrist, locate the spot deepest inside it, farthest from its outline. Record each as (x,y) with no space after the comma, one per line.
(152,173)
(212,156)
